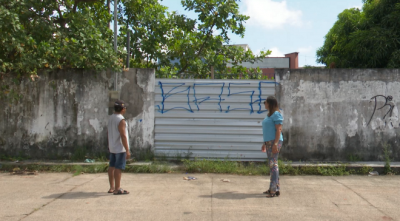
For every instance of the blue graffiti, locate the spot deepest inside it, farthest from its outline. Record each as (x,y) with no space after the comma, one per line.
(198,101)
(242,92)
(182,88)
(169,94)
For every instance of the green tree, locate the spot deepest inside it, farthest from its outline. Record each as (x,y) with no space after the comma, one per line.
(364,39)
(149,24)
(63,34)
(49,34)
(177,45)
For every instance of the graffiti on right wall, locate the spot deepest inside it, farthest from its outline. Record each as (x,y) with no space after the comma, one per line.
(388,103)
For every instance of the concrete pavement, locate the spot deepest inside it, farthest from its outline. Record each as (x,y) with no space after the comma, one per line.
(60,196)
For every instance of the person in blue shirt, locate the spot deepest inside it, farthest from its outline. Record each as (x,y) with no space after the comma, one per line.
(272,134)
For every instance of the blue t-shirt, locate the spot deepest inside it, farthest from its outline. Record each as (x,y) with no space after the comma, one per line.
(268,126)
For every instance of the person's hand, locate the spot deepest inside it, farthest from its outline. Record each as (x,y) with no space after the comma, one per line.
(263,148)
(128,155)
(275,149)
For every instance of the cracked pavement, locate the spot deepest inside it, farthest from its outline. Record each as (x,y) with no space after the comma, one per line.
(60,196)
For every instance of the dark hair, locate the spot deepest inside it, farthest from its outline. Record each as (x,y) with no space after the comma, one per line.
(118,108)
(272,105)
(119,105)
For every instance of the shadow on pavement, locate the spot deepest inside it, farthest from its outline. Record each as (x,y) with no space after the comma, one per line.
(78,195)
(234,196)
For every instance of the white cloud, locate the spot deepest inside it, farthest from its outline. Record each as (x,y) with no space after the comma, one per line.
(271,14)
(276,53)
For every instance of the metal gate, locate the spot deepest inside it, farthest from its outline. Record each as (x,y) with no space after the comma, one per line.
(210,119)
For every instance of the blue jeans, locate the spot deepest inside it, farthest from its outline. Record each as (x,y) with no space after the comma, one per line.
(273,165)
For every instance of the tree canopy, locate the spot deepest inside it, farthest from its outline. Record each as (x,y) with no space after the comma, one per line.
(367,38)
(40,35)
(48,34)
(177,45)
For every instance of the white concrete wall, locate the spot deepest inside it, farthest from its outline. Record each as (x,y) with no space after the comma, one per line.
(328,110)
(63,111)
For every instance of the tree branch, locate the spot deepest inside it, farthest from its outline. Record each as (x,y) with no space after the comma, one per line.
(61,20)
(201,49)
(75,5)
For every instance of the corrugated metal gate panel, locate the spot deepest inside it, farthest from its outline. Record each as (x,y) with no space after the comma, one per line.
(210,118)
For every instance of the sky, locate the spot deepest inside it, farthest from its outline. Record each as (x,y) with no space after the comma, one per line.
(285,26)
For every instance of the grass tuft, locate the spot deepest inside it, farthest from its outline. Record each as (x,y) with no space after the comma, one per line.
(255,168)
(386,153)
(201,166)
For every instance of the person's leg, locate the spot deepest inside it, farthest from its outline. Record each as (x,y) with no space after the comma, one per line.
(111,178)
(111,169)
(119,166)
(117,176)
(270,163)
(274,168)
(278,185)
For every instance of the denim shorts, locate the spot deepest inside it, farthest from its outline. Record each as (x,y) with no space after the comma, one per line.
(118,160)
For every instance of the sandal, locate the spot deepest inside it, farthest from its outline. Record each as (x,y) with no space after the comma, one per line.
(277,193)
(270,195)
(111,191)
(120,191)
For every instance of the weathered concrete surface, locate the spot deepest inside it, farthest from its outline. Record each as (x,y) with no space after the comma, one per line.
(138,91)
(327,113)
(169,197)
(66,110)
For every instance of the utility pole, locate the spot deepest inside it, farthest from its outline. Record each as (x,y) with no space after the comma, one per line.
(115,37)
(128,47)
(115,24)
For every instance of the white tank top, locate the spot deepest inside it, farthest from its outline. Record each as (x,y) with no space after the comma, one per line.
(114,138)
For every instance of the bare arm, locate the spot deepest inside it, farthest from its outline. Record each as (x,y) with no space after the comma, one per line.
(278,128)
(122,129)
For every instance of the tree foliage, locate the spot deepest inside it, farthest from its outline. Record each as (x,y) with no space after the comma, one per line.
(177,45)
(42,35)
(49,34)
(367,38)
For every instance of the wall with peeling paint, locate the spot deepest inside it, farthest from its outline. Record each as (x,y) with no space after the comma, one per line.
(63,111)
(327,113)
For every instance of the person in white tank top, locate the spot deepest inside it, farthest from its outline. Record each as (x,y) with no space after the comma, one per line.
(118,144)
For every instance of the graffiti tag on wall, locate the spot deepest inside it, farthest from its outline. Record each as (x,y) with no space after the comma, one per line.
(227,90)
(388,103)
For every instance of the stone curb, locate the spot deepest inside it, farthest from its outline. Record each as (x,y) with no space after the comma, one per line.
(374,164)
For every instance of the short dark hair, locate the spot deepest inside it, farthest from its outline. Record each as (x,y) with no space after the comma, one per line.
(118,109)
(119,105)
